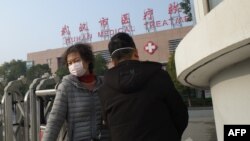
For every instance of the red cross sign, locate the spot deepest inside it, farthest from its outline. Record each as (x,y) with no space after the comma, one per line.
(150,47)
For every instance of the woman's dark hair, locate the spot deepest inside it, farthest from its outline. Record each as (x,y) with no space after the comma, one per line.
(85,51)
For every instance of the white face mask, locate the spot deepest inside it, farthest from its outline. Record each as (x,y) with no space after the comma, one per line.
(77,69)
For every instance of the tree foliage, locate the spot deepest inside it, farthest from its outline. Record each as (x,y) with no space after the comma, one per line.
(100,65)
(37,71)
(62,71)
(15,68)
(186,6)
(12,70)
(183,90)
(1,90)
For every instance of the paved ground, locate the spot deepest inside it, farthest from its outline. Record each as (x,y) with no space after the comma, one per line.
(201,125)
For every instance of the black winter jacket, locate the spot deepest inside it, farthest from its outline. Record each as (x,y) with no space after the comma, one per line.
(140,103)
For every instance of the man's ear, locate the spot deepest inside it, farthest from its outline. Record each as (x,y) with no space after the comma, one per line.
(114,62)
(136,54)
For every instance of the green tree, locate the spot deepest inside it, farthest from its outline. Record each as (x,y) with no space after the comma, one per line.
(100,65)
(1,90)
(186,7)
(37,71)
(183,90)
(12,70)
(62,71)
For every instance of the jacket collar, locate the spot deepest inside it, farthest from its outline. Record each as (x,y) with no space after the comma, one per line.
(73,80)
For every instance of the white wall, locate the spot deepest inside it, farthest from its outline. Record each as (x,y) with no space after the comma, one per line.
(231,96)
(216,54)
(223,30)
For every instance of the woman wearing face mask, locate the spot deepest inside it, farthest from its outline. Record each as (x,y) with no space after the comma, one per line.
(77,99)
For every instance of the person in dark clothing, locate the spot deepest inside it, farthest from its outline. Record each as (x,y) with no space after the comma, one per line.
(139,100)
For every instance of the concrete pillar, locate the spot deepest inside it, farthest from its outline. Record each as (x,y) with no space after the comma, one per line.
(231,96)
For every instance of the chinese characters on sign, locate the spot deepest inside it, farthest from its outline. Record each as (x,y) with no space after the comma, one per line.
(148,14)
(83,27)
(106,32)
(126,24)
(85,36)
(149,20)
(173,8)
(104,22)
(65,33)
(65,30)
(125,19)
(175,19)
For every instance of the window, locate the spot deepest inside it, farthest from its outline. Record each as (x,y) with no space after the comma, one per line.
(213,3)
(60,62)
(173,44)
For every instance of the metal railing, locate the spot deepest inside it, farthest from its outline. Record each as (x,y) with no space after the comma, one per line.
(22,115)
(43,90)
(13,111)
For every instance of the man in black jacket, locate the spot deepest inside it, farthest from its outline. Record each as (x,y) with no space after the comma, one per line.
(139,100)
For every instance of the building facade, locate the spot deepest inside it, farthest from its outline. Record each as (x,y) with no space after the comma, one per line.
(155,46)
(220,60)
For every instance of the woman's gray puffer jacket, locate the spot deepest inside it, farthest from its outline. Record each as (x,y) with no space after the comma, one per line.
(79,107)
